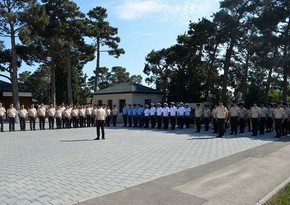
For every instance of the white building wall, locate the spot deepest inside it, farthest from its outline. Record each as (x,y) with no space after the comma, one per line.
(140,98)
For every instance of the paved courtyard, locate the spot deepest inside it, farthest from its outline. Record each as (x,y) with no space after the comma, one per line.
(68,166)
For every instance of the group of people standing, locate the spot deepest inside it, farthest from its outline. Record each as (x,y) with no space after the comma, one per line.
(259,119)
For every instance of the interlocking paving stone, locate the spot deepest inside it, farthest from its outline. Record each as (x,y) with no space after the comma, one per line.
(67,166)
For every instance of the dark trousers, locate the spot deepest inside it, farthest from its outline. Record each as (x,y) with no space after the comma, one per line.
(88,120)
(130,119)
(2,123)
(22,123)
(58,122)
(41,122)
(146,121)
(11,123)
(82,121)
(114,120)
(262,125)
(153,121)
(165,122)
(135,120)
(206,123)
(63,122)
(180,122)
(159,122)
(234,125)
(269,124)
(221,127)
(198,124)
(100,126)
(93,121)
(108,121)
(140,121)
(75,122)
(242,125)
(32,123)
(51,122)
(285,127)
(255,125)
(173,122)
(215,125)
(125,120)
(186,120)
(278,127)
(67,122)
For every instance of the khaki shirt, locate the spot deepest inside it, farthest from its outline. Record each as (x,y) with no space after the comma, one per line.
(234,110)
(278,113)
(41,111)
(2,111)
(198,112)
(206,113)
(23,113)
(58,113)
(51,112)
(263,112)
(221,112)
(255,112)
(11,112)
(115,111)
(101,114)
(32,112)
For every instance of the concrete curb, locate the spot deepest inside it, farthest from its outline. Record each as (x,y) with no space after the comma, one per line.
(273,192)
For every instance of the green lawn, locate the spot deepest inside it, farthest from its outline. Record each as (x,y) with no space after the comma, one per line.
(281,198)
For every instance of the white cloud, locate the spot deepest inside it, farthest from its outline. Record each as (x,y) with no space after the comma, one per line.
(166,10)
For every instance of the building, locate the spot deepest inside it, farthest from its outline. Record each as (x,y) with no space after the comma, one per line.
(127,93)
(25,97)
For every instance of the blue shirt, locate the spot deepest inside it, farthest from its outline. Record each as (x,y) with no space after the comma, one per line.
(140,111)
(125,110)
(130,111)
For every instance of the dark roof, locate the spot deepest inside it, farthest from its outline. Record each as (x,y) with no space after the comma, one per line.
(5,86)
(128,88)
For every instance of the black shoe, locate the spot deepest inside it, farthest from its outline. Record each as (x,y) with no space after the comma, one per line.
(103,138)
(97,138)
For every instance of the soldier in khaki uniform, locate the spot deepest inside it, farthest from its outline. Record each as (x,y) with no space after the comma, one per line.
(254,116)
(32,113)
(2,117)
(100,116)
(221,115)
(41,115)
(11,113)
(197,116)
(22,117)
(278,117)
(115,114)
(234,113)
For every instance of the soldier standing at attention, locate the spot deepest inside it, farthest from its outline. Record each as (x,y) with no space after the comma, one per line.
(278,117)
(197,116)
(146,116)
(130,115)
(2,117)
(140,113)
(41,116)
(135,115)
(263,114)
(285,121)
(206,117)
(221,115)
(11,113)
(165,115)
(108,113)
(180,115)
(67,115)
(173,114)
(187,115)
(32,113)
(254,116)
(88,115)
(153,115)
(58,117)
(243,117)
(159,112)
(51,115)
(115,115)
(214,120)
(100,116)
(75,116)
(125,115)
(22,117)
(234,113)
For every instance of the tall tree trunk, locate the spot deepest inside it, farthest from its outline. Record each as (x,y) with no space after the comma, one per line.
(69,77)
(96,87)
(209,73)
(226,70)
(285,74)
(245,77)
(52,86)
(268,83)
(13,73)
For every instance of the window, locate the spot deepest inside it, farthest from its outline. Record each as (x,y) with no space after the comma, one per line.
(110,103)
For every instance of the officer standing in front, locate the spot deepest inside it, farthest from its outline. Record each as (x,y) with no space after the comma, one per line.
(278,117)
(221,115)
(100,116)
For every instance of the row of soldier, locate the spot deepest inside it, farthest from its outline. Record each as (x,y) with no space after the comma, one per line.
(258,118)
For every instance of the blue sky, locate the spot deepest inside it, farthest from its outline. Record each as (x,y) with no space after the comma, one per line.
(144,25)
